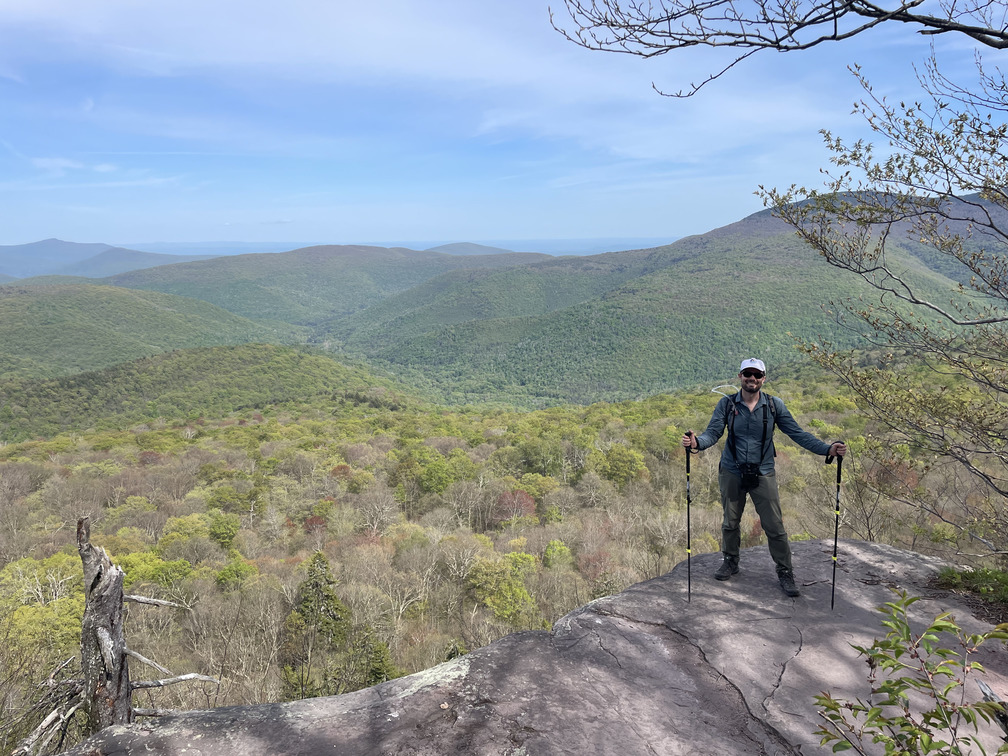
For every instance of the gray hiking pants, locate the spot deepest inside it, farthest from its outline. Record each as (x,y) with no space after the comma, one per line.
(766,499)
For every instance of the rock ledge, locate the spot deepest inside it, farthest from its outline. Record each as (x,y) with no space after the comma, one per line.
(731,671)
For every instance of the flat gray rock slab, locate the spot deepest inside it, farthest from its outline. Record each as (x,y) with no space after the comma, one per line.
(730,669)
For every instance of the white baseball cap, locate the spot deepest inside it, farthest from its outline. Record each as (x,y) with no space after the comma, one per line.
(753,363)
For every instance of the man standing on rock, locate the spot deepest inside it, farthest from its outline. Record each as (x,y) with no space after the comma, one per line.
(747,466)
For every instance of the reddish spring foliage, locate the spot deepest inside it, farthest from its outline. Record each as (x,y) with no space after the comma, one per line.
(594,564)
(314,524)
(512,504)
(341,472)
(148,458)
(894,473)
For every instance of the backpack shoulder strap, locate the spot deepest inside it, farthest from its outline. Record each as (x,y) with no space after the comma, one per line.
(772,401)
(730,412)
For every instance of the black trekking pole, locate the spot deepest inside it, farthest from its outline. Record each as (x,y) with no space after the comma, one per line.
(836,526)
(689,453)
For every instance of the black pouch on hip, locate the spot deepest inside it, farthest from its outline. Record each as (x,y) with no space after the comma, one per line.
(750,477)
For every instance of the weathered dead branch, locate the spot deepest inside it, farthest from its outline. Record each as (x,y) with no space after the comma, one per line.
(104,690)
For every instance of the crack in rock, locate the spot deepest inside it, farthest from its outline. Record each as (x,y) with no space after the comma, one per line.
(783,670)
(602,612)
(616,703)
(748,732)
(602,646)
(741,697)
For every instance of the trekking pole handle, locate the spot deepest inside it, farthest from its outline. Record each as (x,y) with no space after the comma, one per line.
(829,457)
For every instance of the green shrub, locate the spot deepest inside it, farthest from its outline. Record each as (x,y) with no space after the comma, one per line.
(904,663)
(990,585)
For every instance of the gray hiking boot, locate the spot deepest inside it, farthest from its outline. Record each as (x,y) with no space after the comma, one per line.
(787,585)
(726,570)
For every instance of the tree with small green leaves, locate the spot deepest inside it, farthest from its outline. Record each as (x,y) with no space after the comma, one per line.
(918,702)
(622,464)
(499,585)
(932,204)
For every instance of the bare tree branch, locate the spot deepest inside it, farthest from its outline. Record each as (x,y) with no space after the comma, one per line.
(649,29)
(152,601)
(173,680)
(148,662)
(47,729)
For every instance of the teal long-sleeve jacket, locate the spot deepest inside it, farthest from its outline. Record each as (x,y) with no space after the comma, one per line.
(748,432)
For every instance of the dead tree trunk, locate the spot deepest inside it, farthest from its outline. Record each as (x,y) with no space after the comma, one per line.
(103,644)
(104,689)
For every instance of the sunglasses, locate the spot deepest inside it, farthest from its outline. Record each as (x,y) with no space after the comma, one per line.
(752,374)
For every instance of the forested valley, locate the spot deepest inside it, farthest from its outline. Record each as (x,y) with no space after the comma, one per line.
(346,464)
(323,530)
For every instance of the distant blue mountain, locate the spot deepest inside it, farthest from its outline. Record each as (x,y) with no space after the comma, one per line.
(553,247)
(468,248)
(44,257)
(57,257)
(218,249)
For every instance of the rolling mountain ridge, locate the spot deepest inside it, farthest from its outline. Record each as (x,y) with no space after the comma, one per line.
(524,328)
(218,380)
(310,285)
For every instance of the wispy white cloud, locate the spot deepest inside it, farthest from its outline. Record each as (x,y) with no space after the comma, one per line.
(341,117)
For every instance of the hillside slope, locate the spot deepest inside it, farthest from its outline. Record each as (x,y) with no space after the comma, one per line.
(211,381)
(475,295)
(61,329)
(119,260)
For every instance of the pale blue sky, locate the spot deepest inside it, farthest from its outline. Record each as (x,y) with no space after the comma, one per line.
(451,120)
